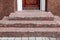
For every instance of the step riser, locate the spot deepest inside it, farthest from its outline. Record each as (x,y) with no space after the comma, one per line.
(30,25)
(29,34)
(32,19)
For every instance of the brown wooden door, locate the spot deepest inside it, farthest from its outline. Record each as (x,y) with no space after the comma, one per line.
(31,4)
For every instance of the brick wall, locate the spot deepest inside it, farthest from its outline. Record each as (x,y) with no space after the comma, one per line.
(1,9)
(54,6)
(6,7)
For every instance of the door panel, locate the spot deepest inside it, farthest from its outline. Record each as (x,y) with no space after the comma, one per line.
(31,4)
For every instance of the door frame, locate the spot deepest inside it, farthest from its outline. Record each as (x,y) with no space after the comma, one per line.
(42,5)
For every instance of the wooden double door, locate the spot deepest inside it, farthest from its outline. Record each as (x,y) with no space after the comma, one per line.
(31,4)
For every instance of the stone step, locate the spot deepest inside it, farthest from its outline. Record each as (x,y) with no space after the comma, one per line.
(29,24)
(15,29)
(29,32)
(31,15)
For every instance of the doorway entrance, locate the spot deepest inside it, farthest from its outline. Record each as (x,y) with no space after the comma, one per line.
(31,4)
